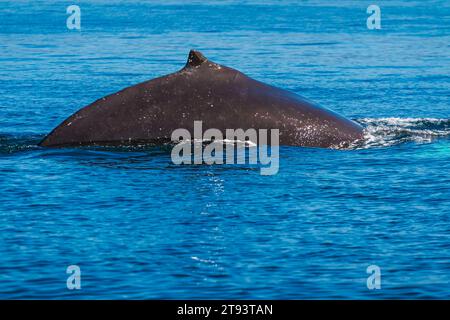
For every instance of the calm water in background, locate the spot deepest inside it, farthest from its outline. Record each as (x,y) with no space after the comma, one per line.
(141,227)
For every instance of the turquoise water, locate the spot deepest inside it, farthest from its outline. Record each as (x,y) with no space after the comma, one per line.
(140,227)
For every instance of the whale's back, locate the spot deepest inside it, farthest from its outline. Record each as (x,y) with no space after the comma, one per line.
(220,97)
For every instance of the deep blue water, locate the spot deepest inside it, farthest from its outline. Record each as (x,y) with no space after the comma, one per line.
(141,227)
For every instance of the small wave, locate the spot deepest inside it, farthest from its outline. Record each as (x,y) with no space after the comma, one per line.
(10,143)
(238,143)
(386,132)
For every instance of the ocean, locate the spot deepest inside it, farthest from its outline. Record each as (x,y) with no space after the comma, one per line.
(140,227)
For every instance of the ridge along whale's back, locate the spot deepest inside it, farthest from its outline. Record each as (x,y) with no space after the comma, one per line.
(221,97)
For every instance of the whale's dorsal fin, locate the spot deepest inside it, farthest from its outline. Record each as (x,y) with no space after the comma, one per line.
(195,58)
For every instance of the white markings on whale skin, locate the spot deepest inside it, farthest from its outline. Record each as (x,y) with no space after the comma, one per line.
(215,66)
(76,118)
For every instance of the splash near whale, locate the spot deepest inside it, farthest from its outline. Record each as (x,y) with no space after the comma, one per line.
(221,97)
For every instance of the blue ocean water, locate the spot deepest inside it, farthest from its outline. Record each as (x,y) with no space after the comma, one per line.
(139,226)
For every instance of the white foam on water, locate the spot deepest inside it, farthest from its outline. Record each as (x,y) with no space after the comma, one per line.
(246,143)
(386,132)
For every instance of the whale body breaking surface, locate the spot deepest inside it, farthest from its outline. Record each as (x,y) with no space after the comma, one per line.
(219,96)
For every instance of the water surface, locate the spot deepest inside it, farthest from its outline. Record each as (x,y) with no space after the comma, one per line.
(140,227)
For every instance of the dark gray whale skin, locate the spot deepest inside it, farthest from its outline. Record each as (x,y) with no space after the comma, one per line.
(223,98)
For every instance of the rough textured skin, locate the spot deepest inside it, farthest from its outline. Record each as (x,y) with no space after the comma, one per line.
(221,97)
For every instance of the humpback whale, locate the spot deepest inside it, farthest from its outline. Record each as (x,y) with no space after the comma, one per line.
(219,96)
